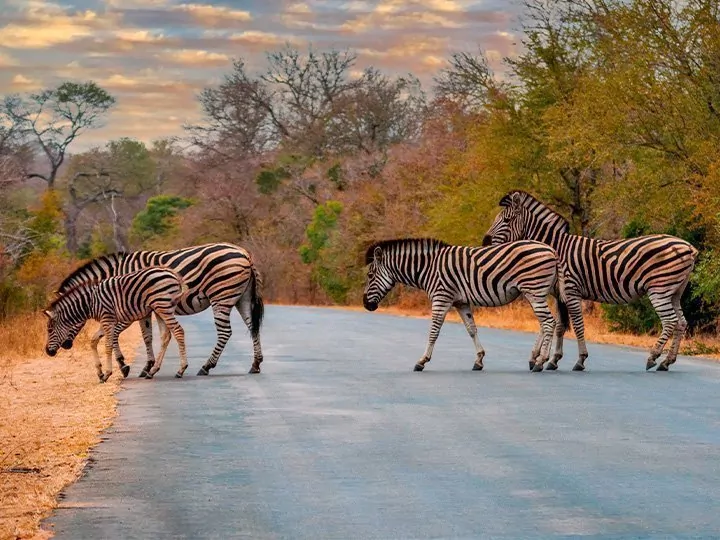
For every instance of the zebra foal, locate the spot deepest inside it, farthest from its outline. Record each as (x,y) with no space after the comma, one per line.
(612,272)
(116,303)
(220,276)
(463,277)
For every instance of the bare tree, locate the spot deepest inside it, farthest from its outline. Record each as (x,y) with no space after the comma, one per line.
(54,118)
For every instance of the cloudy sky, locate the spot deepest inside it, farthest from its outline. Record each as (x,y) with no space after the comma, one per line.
(156,55)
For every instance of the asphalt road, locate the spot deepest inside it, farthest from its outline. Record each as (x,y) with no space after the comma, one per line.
(339,438)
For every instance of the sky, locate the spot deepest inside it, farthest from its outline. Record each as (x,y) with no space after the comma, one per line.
(155,56)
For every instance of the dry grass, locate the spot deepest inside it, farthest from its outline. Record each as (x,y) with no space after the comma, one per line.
(52,411)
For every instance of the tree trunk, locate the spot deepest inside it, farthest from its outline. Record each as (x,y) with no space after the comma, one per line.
(71,240)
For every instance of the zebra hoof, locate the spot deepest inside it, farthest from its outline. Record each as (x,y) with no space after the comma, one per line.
(254,369)
(650,364)
(531,363)
(178,375)
(418,367)
(537,368)
(149,376)
(142,374)
(551,365)
(578,367)
(662,367)
(202,372)
(125,370)
(477,367)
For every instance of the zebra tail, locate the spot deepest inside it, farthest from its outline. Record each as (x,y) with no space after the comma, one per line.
(257,310)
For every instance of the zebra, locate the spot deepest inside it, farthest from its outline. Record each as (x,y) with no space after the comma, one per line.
(613,272)
(463,277)
(219,275)
(117,302)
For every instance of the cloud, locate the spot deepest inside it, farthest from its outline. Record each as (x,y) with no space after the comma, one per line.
(21,82)
(195,57)
(43,25)
(7,61)
(210,15)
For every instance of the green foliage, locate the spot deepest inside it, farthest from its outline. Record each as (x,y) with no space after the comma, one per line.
(46,223)
(157,218)
(318,231)
(321,250)
(269,180)
(335,175)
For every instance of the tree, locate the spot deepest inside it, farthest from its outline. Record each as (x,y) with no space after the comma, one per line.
(157,217)
(116,180)
(54,118)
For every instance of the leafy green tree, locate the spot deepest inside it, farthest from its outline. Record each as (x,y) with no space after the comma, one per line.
(318,251)
(157,218)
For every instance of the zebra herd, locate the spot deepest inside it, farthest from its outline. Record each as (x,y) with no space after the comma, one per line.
(528,251)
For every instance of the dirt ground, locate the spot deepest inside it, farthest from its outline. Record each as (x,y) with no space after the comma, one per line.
(52,412)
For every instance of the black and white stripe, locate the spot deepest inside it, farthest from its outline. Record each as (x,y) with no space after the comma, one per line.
(219,276)
(613,272)
(116,303)
(463,277)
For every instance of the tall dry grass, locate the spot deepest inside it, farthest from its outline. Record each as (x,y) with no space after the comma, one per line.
(52,411)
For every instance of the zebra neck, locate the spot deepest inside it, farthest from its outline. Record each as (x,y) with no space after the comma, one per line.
(412,269)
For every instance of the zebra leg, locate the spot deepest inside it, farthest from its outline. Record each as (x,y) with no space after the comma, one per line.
(244,307)
(465,312)
(94,342)
(146,329)
(535,353)
(173,326)
(440,309)
(164,342)
(109,331)
(681,326)
(547,328)
(574,306)
(668,318)
(119,358)
(560,329)
(222,325)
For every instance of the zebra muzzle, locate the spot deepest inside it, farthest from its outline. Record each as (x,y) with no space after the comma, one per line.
(487,240)
(370,306)
(50,352)
(67,344)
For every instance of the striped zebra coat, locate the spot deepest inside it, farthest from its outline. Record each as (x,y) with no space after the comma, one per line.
(220,276)
(116,303)
(613,272)
(463,277)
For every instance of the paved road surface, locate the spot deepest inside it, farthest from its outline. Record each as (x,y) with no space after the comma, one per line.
(339,438)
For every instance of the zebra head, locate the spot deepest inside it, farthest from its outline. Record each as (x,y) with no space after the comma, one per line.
(61,330)
(379,279)
(511,223)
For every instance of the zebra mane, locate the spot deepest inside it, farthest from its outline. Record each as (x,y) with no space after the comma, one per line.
(67,293)
(387,244)
(507,201)
(66,286)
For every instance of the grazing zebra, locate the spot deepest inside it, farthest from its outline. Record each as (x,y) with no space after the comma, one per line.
(613,272)
(463,277)
(218,275)
(116,303)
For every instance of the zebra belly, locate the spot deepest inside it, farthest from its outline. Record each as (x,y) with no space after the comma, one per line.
(192,305)
(494,299)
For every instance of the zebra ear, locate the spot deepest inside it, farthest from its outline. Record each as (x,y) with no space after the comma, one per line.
(49,314)
(377,254)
